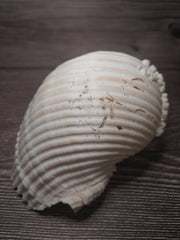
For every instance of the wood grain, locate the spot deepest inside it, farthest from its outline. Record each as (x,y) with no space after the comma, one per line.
(142,200)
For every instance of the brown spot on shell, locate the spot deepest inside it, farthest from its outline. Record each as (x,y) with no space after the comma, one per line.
(90,98)
(94,129)
(103,122)
(103,108)
(110,98)
(111,112)
(138,88)
(119,127)
(119,103)
(85,89)
(140,110)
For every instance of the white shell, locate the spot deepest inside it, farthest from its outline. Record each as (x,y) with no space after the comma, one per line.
(90,113)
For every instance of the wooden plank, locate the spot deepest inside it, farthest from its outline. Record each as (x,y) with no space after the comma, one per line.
(141,200)
(31,37)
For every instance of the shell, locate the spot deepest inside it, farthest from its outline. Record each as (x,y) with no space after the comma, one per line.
(89,113)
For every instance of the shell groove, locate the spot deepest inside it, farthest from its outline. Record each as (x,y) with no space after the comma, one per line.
(89,113)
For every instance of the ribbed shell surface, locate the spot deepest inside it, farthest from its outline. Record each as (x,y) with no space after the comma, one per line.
(89,113)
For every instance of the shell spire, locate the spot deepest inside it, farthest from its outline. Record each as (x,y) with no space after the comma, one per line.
(90,113)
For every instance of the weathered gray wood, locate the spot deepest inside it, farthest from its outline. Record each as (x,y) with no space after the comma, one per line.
(43,33)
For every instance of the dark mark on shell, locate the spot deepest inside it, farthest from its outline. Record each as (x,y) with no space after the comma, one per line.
(103,107)
(140,110)
(111,112)
(119,127)
(138,88)
(119,103)
(79,107)
(110,98)
(90,98)
(103,122)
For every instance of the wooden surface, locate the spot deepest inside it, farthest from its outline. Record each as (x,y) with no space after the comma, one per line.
(142,200)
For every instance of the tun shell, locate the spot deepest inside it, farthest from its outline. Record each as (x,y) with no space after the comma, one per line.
(89,113)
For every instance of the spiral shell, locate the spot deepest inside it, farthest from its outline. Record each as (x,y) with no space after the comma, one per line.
(89,113)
